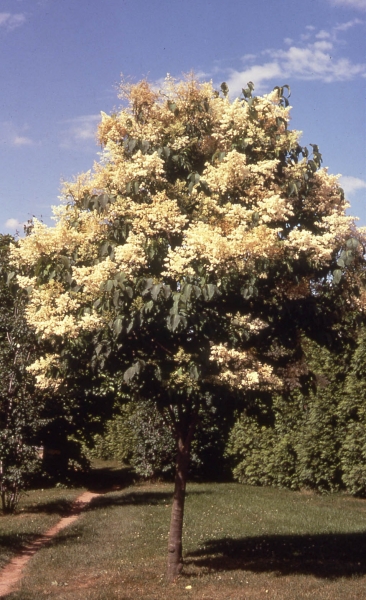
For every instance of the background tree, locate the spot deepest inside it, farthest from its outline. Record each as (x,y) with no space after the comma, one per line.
(303,438)
(138,436)
(352,415)
(40,433)
(191,258)
(20,403)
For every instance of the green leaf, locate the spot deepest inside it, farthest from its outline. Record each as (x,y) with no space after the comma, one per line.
(312,165)
(224,88)
(109,285)
(130,326)
(103,249)
(131,372)
(145,145)
(292,189)
(167,291)
(117,326)
(245,292)
(211,290)
(173,322)
(116,298)
(352,244)
(64,261)
(103,200)
(337,276)
(186,291)
(155,291)
(148,284)
(194,373)
(120,278)
(350,257)
(197,290)
(255,217)
(149,306)
(132,145)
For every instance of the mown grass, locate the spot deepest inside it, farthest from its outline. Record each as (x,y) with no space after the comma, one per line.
(240,542)
(38,510)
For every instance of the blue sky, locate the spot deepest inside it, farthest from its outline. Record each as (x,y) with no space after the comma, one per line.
(60,63)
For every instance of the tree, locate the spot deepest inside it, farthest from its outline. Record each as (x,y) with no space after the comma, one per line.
(137,435)
(192,256)
(352,413)
(301,438)
(20,402)
(32,420)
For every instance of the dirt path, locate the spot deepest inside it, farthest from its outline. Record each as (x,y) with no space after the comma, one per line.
(11,574)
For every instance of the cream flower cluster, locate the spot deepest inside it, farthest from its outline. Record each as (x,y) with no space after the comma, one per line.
(247,321)
(161,216)
(247,215)
(274,208)
(40,369)
(242,371)
(336,229)
(227,175)
(91,277)
(131,256)
(221,251)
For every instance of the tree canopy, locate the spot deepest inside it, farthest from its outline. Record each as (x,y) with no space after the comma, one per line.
(20,403)
(192,256)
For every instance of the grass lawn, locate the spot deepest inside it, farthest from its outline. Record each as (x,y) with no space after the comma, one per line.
(240,542)
(38,511)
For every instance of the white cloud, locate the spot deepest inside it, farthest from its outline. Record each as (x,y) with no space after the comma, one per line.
(13,224)
(351,184)
(80,131)
(322,34)
(21,140)
(361,4)
(257,73)
(316,61)
(348,25)
(314,57)
(14,136)
(248,57)
(11,21)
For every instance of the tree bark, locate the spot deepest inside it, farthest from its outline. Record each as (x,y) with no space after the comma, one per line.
(175,547)
(175,558)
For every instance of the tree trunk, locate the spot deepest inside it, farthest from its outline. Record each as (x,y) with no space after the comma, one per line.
(175,559)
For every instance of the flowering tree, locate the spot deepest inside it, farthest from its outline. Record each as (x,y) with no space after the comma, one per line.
(20,403)
(192,256)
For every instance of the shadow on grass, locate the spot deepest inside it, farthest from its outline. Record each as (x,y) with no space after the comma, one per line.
(136,498)
(61,507)
(324,555)
(99,480)
(11,544)
(105,478)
